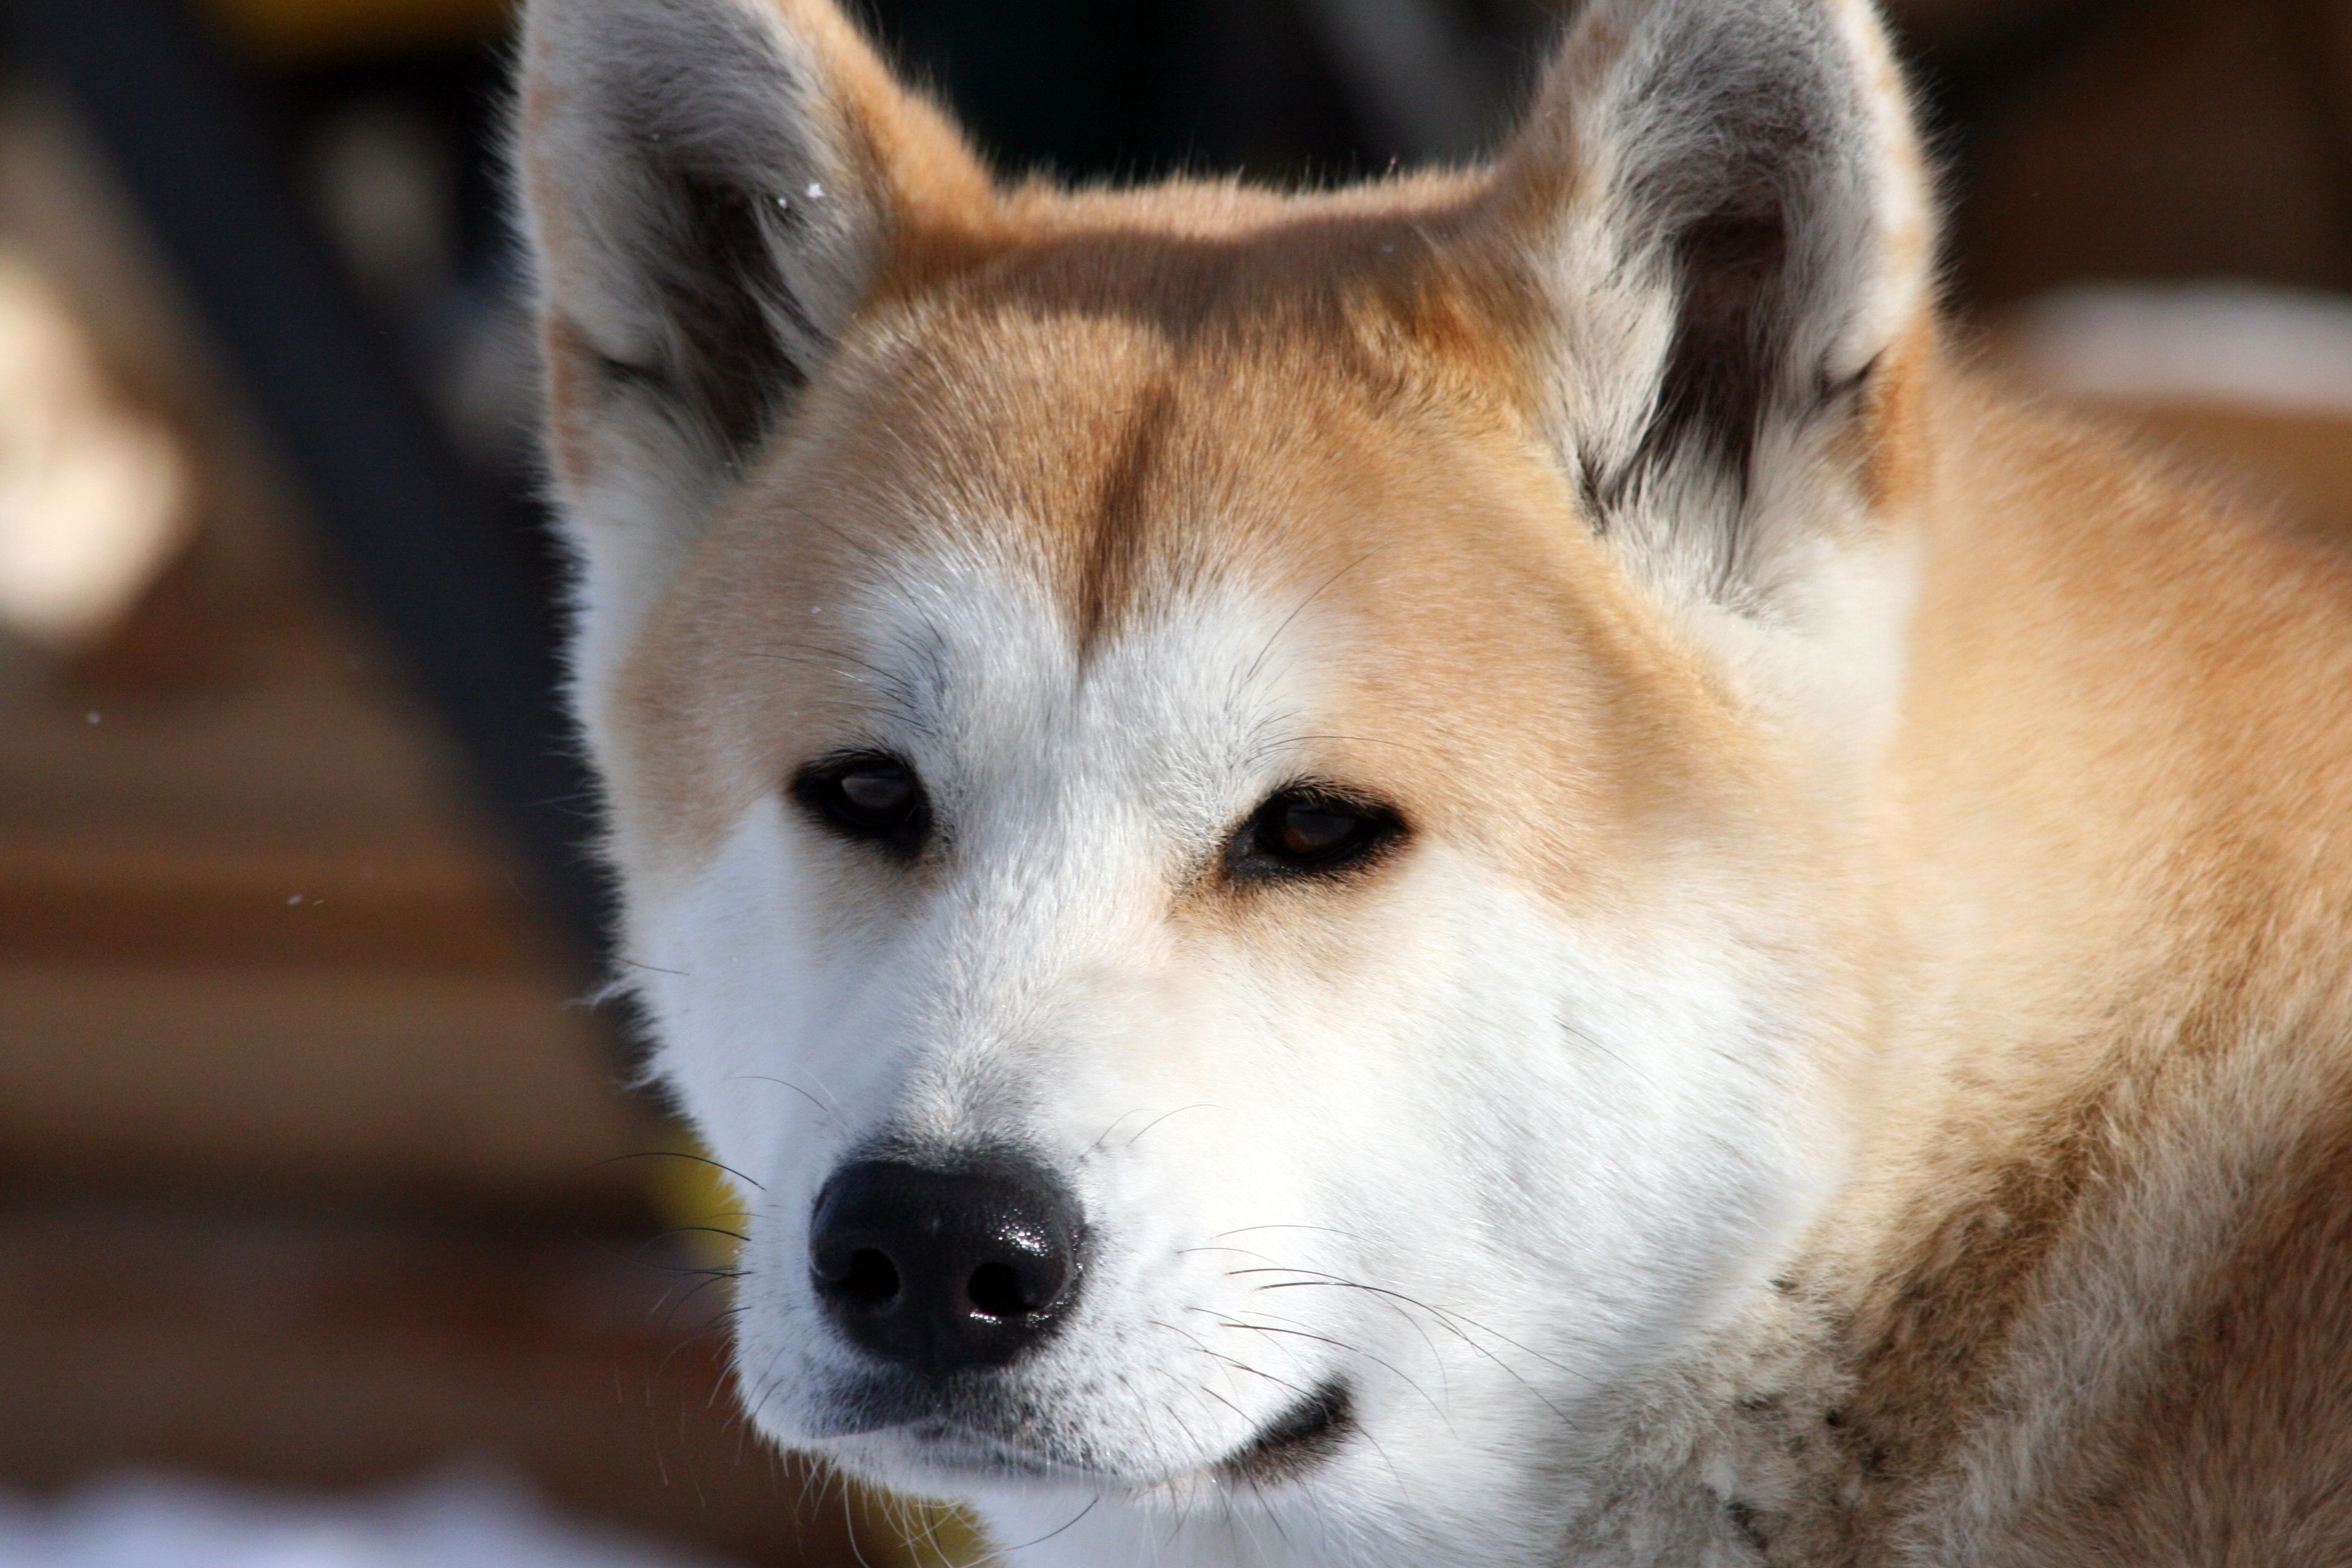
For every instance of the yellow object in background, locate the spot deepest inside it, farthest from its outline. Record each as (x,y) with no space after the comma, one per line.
(700,1199)
(313,30)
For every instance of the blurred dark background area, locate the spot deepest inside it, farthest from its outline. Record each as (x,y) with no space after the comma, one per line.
(317,1173)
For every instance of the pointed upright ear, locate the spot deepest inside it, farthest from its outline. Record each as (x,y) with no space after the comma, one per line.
(1726,207)
(708,187)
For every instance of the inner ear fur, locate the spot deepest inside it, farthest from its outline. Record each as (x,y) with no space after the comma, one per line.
(1728,213)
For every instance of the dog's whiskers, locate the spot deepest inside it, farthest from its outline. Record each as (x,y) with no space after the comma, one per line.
(1445,1321)
(831,1111)
(1233,1362)
(1345,1348)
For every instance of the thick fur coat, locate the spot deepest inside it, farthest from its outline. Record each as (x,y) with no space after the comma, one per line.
(1824,1039)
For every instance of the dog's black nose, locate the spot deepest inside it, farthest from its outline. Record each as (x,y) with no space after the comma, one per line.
(942,1270)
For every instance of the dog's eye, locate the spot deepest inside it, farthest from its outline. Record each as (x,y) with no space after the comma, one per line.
(1306,830)
(867,796)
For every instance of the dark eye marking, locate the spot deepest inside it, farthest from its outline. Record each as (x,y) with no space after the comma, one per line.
(870,797)
(1310,829)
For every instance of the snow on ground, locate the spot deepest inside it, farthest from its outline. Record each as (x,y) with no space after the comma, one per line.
(465,1518)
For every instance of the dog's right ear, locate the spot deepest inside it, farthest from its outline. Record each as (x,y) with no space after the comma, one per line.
(708,187)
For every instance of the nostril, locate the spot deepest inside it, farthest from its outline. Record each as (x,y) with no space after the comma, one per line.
(872,1279)
(995,1289)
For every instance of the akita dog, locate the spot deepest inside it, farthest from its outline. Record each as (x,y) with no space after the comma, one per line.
(1479,869)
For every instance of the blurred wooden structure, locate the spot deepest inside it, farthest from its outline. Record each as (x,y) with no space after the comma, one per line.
(313,1168)
(245,929)
(2164,139)
(329,1351)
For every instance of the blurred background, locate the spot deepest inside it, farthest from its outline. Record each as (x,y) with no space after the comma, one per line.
(330,1232)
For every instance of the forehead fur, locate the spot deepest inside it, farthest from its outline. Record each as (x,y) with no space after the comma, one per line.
(1136,408)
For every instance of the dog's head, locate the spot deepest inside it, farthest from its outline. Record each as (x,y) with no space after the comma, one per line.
(1232,803)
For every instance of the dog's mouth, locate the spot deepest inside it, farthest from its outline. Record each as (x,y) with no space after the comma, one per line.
(1304,1435)
(1297,1440)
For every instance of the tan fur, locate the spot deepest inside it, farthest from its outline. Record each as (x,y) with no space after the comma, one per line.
(2121,796)
(2087,1296)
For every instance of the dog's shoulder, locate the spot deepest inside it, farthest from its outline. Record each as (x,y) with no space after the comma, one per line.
(2174,1380)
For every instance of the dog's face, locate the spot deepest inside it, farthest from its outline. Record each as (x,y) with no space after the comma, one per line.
(1249,811)
(1244,947)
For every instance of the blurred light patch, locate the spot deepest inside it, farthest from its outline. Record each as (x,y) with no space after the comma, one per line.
(461,1520)
(2244,344)
(382,172)
(94,497)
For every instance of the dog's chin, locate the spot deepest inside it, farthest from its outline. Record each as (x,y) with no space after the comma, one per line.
(923,1442)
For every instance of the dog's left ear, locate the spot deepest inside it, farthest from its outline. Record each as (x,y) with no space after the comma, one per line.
(1726,208)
